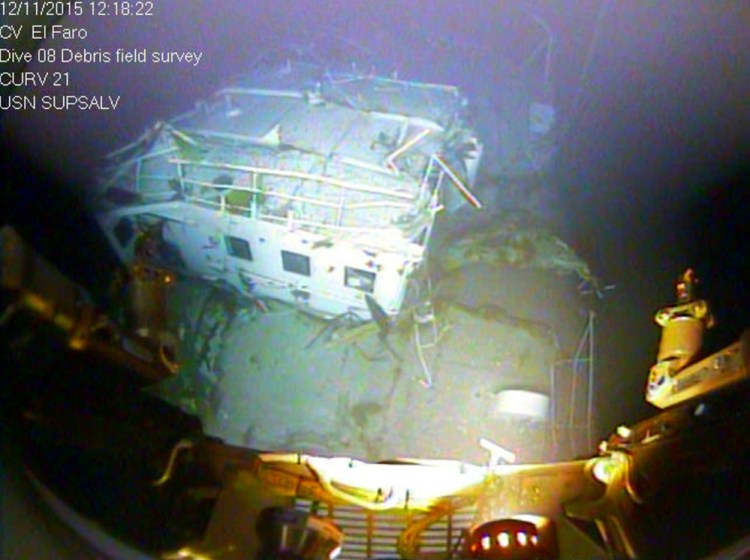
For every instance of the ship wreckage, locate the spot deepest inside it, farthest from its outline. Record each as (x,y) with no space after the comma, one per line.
(303,210)
(316,190)
(313,349)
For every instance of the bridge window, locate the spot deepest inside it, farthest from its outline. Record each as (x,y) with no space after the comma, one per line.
(237,247)
(296,263)
(359,279)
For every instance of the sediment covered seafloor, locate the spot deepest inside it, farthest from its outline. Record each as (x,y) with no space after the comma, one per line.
(272,378)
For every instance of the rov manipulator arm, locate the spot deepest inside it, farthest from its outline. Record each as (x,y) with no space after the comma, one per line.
(676,377)
(35,286)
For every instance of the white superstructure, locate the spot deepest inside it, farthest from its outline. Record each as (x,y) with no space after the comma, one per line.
(301,185)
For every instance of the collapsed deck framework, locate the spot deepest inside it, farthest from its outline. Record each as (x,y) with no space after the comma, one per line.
(315,189)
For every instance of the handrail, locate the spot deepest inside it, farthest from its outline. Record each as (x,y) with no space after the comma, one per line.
(295,198)
(458,182)
(390,160)
(331,181)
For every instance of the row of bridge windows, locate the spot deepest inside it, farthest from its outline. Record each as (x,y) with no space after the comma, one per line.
(296,263)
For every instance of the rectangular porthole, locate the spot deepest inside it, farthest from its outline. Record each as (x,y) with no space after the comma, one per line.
(239,248)
(296,263)
(359,279)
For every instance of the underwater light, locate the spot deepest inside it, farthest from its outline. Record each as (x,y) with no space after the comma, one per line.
(503,539)
(520,537)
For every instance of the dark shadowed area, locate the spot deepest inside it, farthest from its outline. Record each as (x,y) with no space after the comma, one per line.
(651,173)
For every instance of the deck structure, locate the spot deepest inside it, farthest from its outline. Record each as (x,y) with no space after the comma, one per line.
(301,185)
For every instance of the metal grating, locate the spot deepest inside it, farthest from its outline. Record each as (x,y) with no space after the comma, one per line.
(369,534)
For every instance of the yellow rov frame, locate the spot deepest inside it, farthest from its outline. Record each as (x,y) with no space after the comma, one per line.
(673,379)
(38,287)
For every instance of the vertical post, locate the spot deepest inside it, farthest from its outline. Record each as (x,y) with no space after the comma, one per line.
(254,197)
(553,410)
(590,399)
(340,208)
(138,176)
(572,427)
(426,178)
(181,175)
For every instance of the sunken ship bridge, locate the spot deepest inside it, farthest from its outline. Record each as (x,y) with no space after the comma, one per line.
(309,187)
